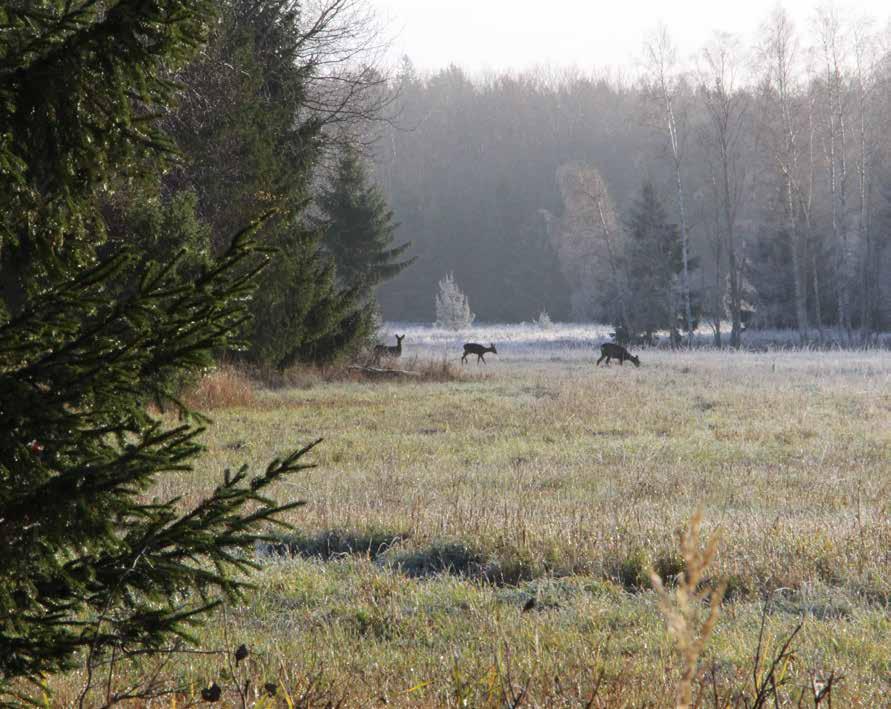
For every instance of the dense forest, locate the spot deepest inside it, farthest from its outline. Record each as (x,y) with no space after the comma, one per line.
(768,162)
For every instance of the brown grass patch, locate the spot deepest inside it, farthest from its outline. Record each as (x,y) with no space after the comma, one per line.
(409,370)
(226,387)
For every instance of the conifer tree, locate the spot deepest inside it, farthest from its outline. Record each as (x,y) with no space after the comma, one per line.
(654,261)
(80,84)
(91,561)
(452,309)
(359,227)
(301,314)
(248,100)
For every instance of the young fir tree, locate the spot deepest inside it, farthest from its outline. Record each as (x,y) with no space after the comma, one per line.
(359,228)
(91,562)
(302,315)
(654,263)
(452,308)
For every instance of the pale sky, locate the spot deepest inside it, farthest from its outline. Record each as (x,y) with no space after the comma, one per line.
(493,35)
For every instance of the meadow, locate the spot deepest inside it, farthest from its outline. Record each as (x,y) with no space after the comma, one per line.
(486,537)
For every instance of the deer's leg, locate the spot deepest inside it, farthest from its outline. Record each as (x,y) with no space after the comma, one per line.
(602,357)
(464,358)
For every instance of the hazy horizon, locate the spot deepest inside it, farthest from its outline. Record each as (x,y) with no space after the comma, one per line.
(499,35)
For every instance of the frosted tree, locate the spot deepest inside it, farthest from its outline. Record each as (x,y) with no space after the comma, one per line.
(452,308)
(588,245)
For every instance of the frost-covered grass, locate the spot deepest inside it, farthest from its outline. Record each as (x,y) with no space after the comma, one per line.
(577,341)
(438,509)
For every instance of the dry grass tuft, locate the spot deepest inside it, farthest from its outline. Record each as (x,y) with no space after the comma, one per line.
(442,370)
(224,388)
(681,606)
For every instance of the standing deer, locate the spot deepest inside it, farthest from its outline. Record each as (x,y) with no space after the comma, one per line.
(388,352)
(478,350)
(610,350)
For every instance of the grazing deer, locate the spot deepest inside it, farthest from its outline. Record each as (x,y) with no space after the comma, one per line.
(478,350)
(388,352)
(611,350)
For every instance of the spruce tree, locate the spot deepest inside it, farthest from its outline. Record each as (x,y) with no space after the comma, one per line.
(80,85)
(250,143)
(91,561)
(654,262)
(301,314)
(452,309)
(359,227)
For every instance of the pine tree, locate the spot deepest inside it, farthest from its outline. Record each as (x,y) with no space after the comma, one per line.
(359,228)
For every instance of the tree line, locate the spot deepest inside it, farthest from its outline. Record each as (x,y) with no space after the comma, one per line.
(769,163)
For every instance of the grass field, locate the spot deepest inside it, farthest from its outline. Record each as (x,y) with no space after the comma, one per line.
(439,509)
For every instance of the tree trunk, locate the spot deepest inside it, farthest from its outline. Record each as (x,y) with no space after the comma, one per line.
(621,287)
(801,316)
(682,213)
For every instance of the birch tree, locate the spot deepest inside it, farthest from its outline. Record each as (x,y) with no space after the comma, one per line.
(726,111)
(779,123)
(866,57)
(835,145)
(588,243)
(661,57)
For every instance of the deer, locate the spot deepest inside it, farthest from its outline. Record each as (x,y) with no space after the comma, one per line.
(478,350)
(388,352)
(610,350)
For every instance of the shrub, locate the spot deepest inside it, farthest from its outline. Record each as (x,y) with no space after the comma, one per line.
(634,571)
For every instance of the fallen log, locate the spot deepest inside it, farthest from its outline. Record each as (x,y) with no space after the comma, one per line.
(381,372)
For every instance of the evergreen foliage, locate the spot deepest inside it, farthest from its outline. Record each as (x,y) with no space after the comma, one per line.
(89,562)
(250,144)
(654,264)
(157,228)
(359,228)
(300,314)
(452,308)
(80,86)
